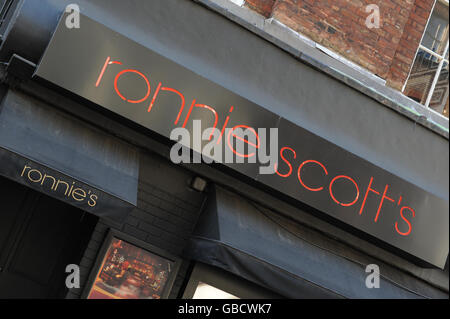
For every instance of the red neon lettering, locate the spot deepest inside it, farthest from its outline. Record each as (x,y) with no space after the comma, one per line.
(154,97)
(224,125)
(257,145)
(120,94)
(407,221)
(350,179)
(170,90)
(381,202)
(216,117)
(244,140)
(107,62)
(369,189)
(284,159)
(300,178)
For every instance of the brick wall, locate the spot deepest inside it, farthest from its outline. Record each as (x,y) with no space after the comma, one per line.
(409,42)
(263,7)
(340,25)
(166,213)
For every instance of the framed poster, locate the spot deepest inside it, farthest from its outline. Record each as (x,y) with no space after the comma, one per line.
(127,268)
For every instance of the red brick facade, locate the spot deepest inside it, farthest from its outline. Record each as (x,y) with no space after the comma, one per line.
(409,42)
(340,25)
(263,7)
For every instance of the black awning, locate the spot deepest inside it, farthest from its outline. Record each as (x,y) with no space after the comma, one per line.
(241,237)
(63,157)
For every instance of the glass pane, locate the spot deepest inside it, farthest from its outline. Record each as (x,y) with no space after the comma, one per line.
(205,291)
(439,100)
(130,272)
(422,74)
(436,34)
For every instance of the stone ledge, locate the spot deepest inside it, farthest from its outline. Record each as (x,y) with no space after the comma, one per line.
(306,51)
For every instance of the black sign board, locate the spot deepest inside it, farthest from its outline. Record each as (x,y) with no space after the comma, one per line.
(60,186)
(54,154)
(140,85)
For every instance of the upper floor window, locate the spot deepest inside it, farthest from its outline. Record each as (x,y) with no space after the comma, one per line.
(428,78)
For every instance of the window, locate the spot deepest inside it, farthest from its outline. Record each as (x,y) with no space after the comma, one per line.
(210,282)
(205,291)
(428,79)
(5,7)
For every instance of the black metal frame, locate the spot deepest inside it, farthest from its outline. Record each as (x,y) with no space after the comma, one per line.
(112,233)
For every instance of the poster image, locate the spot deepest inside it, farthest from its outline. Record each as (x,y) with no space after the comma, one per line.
(130,272)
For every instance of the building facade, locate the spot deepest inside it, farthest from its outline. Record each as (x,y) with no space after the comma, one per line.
(97,203)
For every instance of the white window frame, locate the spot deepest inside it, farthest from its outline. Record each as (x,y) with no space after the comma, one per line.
(441,58)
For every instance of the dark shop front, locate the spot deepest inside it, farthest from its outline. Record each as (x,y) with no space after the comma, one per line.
(93,204)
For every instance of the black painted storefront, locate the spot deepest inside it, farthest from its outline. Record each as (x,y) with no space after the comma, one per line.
(40,236)
(144,195)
